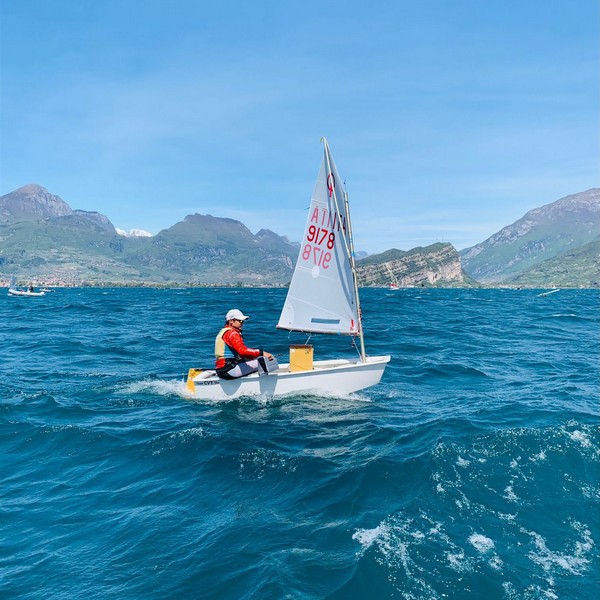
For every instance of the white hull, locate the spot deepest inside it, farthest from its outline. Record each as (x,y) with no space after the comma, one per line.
(338,376)
(548,293)
(12,292)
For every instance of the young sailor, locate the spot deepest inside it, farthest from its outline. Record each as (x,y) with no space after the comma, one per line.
(232,357)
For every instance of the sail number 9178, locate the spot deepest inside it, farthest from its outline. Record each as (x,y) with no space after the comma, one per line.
(318,236)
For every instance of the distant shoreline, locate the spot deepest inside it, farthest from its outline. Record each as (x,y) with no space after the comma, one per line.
(183,286)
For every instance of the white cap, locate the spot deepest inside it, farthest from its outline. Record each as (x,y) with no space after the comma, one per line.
(234,313)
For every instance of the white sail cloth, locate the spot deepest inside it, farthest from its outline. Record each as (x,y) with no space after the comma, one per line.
(321,297)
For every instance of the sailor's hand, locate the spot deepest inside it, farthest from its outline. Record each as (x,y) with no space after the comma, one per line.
(268,355)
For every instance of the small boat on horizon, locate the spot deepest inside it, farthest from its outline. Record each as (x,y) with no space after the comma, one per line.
(30,292)
(552,291)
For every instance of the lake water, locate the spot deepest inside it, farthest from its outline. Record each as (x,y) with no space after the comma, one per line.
(471,471)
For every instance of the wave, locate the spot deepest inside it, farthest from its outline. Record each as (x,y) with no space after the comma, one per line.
(470,470)
(450,370)
(508,508)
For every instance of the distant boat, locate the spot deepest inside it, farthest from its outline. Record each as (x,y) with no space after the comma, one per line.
(322,298)
(394,286)
(13,290)
(549,292)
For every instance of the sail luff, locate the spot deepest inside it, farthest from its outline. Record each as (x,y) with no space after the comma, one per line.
(335,200)
(349,244)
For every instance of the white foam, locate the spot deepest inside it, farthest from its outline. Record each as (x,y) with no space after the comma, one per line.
(366,537)
(581,437)
(538,457)
(155,386)
(435,530)
(574,562)
(176,438)
(481,543)
(456,560)
(509,494)
(185,433)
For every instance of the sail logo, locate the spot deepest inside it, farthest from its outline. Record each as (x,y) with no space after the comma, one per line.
(330,183)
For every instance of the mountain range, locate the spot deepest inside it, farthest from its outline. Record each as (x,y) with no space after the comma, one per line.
(558,243)
(42,238)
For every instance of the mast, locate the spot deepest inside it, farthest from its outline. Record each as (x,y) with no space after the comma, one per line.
(349,244)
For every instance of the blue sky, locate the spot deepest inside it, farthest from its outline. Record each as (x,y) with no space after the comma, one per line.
(449,119)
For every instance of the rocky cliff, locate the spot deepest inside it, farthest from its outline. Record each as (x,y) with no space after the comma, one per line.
(435,265)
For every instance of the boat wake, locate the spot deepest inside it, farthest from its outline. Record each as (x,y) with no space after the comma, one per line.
(159,387)
(266,400)
(176,387)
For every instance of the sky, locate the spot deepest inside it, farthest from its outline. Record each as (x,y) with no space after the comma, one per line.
(448,119)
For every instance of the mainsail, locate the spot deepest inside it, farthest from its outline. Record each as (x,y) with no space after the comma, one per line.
(323,297)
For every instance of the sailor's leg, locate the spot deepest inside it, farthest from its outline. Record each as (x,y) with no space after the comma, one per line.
(244,368)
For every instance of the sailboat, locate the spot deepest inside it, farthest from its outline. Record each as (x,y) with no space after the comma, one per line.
(13,290)
(322,299)
(552,291)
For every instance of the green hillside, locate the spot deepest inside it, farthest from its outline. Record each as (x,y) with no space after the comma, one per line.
(575,268)
(545,233)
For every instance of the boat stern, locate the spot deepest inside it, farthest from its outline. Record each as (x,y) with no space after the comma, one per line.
(189,384)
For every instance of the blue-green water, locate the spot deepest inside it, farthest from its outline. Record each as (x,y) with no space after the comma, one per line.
(471,471)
